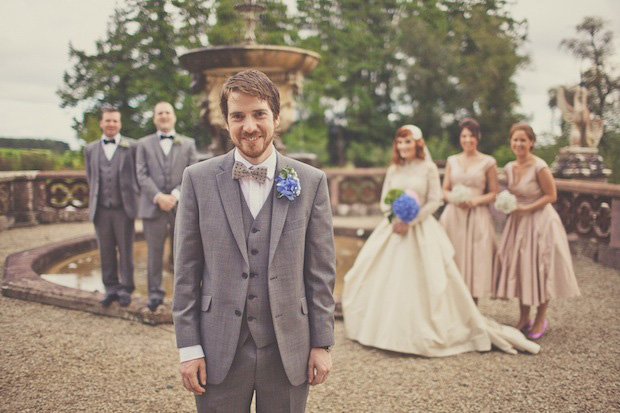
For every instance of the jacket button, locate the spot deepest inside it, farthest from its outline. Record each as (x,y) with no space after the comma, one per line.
(250,318)
(253,274)
(244,275)
(254,251)
(251,297)
(238,313)
(255,230)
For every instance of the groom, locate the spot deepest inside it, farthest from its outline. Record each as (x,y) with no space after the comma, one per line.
(254,270)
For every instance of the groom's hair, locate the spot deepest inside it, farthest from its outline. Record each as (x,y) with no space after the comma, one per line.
(254,83)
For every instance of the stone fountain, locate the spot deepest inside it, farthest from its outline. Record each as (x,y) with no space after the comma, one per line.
(211,66)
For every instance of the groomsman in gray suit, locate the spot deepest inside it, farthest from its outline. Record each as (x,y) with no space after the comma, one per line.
(111,174)
(161,159)
(254,265)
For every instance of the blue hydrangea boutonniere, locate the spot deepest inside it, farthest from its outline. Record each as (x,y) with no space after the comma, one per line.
(287,184)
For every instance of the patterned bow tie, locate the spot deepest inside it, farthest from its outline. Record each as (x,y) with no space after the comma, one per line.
(241,171)
(106,141)
(166,137)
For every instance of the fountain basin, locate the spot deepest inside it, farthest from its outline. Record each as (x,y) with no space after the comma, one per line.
(23,280)
(266,58)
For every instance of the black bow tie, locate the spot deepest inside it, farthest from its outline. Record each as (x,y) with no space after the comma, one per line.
(166,137)
(106,141)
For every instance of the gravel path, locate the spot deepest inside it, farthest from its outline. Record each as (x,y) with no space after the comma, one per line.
(57,360)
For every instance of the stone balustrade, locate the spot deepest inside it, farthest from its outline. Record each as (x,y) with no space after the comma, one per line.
(591,210)
(42,197)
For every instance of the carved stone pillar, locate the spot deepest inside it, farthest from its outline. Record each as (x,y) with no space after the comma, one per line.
(610,254)
(24,200)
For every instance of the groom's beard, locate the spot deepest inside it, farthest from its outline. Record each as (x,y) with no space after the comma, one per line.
(253,148)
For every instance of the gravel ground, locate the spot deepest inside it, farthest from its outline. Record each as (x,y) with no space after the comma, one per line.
(57,360)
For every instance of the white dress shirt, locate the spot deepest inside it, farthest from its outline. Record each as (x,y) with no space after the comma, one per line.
(255,195)
(110,148)
(166,147)
(166,144)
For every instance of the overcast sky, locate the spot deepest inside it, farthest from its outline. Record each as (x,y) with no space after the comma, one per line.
(35,34)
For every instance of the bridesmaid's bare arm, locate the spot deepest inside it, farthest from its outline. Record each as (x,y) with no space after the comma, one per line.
(547,184)
(492,186)
(447,184)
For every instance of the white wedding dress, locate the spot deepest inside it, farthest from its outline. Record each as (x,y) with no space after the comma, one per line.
(404,293)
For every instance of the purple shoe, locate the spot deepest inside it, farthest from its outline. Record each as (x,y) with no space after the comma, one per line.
(536,336)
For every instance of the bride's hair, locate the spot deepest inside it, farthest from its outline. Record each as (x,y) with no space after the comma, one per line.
(408,132)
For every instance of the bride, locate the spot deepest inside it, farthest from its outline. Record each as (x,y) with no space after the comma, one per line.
(404,293)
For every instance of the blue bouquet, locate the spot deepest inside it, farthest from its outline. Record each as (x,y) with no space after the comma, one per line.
(404,205)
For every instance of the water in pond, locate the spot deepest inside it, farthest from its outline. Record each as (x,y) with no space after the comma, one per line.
(84,271)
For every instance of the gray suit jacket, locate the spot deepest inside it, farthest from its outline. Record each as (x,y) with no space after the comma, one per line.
(211,255)
(128,182)
(150,172)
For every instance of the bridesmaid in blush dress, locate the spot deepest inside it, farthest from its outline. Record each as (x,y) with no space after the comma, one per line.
(469,224)
(533,262)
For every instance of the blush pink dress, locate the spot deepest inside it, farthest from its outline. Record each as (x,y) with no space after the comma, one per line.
(533,262)
(471,231)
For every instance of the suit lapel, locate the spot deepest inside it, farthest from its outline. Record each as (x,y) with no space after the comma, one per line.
(278,214)
(97,152)
(159,153)
(174,152)
(230,196)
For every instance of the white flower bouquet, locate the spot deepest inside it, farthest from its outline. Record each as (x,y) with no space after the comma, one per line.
(505,202)
(459,194)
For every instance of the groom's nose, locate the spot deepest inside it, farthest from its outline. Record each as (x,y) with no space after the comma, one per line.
(249,125)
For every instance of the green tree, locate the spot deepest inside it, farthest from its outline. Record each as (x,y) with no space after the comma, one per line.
(594,46)
(136,66)
(430,62)
(352,86)
(459,59)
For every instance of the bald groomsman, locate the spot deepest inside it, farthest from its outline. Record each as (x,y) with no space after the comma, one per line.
(111,174)
(162,157)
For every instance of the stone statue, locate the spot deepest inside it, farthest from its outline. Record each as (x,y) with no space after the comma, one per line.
(586,129)
(581,159)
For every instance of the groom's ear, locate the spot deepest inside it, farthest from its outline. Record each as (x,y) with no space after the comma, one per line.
(276,122)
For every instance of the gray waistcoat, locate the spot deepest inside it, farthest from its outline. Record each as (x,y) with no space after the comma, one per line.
(257,310)
(167,171)
(109,183)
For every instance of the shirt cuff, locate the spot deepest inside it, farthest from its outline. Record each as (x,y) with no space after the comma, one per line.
(191,353)
(155,197)
(176,193)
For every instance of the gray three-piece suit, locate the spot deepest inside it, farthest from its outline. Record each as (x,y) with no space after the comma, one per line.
(255,293)
(113,207)
(159,173)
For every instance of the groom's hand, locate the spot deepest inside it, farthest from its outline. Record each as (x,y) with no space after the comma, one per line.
(191,372)
(319,366)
